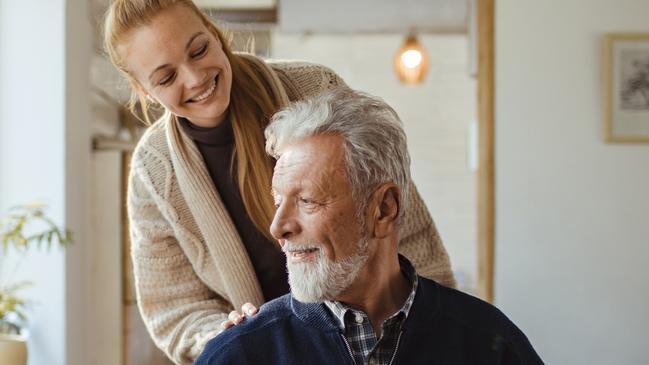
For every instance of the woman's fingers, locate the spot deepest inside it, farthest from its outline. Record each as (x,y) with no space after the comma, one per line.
(248,309)
(227,324)
(234,318)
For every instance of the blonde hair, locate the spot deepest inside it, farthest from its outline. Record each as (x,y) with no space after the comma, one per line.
(253,100)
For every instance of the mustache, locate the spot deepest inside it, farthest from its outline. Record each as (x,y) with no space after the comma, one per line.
(296,246)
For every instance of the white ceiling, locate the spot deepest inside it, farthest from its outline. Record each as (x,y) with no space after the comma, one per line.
(348,16)
(371,16)
(357,16)
(236,4)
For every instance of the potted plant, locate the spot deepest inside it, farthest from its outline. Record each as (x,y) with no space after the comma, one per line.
(23,227)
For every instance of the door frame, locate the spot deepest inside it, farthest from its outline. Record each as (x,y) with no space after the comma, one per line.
(486,151)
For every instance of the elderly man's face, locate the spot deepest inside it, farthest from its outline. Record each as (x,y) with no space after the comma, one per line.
(315,220)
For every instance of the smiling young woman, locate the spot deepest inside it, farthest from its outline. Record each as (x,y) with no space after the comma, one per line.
(198,194)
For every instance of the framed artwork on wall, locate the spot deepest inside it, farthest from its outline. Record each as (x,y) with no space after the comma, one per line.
(626,87)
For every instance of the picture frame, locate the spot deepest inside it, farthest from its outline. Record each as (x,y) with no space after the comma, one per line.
(626,87)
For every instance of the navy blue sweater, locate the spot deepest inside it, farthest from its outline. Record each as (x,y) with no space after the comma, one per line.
(444,326)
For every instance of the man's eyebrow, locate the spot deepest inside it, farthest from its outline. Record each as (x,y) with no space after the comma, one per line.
(189,43)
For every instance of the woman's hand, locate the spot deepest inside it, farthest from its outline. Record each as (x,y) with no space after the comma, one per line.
(234,318)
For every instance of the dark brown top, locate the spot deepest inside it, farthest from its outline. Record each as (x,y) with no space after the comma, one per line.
(216,145)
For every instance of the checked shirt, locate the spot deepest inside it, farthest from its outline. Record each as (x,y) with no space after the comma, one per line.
(359,334)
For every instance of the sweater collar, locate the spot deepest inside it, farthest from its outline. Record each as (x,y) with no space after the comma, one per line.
(221,135)
(315,315)
(223,242)
(340,309)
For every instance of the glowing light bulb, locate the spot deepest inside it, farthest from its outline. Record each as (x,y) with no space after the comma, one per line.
(411,61)
(411,58)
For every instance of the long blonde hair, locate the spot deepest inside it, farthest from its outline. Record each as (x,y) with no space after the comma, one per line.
(253,100)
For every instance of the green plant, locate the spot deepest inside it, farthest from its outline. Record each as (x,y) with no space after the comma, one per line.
(23,227)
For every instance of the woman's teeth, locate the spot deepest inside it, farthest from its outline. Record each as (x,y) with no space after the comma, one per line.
(206,94)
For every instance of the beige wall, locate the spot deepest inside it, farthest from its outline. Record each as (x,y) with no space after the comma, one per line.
(572,212)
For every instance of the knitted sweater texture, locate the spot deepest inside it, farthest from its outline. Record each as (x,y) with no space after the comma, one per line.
(191,268)
(444,327)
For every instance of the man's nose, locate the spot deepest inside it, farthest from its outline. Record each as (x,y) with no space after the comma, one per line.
(284,225)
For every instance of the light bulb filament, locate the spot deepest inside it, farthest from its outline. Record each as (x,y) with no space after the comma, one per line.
(411,58)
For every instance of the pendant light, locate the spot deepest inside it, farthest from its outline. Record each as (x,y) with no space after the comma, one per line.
(411,61)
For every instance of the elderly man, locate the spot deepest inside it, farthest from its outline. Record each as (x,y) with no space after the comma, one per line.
(340,187)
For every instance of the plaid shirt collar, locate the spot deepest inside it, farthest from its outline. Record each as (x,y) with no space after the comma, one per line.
(359,334)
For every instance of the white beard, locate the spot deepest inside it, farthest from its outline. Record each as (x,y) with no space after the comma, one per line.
(323,279)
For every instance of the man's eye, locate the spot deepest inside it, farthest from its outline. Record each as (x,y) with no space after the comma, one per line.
(200,52)
(168,79)
(307,201)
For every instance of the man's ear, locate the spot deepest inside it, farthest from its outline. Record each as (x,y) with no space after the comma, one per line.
(386,206)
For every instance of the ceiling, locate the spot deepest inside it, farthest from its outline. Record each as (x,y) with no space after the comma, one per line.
(356,16)
(373,16)
(346,16)
(236,4)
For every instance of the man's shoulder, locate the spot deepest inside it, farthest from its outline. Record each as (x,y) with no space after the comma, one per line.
(270,314)
(463,309)
(459,312)
(251,331)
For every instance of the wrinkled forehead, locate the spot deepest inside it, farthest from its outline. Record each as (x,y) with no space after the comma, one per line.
(311,163)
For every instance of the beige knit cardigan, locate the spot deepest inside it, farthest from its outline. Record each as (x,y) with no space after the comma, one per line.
(190,266)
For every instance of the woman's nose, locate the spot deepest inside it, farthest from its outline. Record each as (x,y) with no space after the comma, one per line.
(195,77)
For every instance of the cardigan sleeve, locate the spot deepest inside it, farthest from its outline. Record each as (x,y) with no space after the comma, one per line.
(180,312)
(421,243)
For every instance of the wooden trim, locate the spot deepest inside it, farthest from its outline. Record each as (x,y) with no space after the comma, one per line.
(244,16)
(486,180)
(126,159)
(111,144)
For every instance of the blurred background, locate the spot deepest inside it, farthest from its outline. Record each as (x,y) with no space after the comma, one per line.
(504,120)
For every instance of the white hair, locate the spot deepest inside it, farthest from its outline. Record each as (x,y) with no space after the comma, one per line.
(324,279)
(375,143)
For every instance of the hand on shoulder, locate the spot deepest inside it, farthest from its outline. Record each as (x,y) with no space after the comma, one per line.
(234,318)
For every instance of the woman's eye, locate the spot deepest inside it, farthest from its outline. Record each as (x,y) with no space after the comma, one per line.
(201,51)
(167,79)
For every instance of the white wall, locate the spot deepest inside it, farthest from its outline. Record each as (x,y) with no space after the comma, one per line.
(44,48)
(436,115)
(572,212)
(32,151)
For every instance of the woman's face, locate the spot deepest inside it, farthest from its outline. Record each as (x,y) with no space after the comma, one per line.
(179,63)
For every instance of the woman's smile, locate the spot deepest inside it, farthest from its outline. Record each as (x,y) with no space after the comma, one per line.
(205,95)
